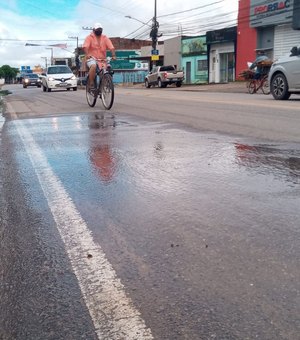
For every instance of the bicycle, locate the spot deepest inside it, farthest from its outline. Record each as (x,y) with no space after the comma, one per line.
(103,87)
(262,84)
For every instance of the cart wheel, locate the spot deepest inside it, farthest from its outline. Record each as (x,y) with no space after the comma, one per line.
(265,87)
(252,87)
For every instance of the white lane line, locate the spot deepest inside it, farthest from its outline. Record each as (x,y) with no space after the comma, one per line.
(112,312)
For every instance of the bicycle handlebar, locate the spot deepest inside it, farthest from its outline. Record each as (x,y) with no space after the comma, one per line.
(107,59)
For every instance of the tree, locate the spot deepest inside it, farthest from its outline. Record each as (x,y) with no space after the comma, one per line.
(8,73)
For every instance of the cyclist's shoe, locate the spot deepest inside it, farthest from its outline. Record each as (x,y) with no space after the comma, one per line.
(92,90)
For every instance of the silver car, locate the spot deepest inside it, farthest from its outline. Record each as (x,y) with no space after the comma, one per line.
(284,76)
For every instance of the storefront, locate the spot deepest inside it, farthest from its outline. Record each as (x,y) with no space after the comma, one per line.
(221,46)
(276,25)
(194,59)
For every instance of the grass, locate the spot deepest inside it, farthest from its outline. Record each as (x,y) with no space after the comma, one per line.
(4,92)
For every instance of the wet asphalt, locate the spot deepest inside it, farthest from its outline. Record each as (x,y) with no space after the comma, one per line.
(202,229)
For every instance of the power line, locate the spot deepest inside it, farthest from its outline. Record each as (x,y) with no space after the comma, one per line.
(192,27)
(23,40)
(191,9)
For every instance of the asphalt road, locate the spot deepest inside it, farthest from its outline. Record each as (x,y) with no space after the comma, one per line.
(173,216)
(258,115)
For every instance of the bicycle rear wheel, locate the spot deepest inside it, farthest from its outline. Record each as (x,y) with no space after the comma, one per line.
(265,87)
(91,95)
(107,91)
(252,86)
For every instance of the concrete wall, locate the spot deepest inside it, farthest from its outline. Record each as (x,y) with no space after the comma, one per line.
(246,38)
(146,50)
(129,44)
(173,52)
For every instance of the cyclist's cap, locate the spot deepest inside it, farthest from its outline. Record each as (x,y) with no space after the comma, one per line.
(97,25)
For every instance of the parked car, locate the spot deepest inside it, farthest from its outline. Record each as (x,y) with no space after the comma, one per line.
(31,79)
(59,77)
(163,76)
(284,76)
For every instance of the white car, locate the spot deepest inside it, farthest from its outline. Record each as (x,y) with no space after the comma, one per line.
(59,77)
(284,76)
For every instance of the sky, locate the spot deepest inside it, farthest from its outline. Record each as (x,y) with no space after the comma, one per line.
(51,22)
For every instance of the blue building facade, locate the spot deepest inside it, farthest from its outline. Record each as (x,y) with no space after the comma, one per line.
(194,59)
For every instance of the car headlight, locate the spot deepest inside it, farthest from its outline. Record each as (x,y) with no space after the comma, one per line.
(50,78)
(73,77)
(26,80)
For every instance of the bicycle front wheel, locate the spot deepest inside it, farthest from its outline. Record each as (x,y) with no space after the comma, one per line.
(91,95)
(252,87)
(107,91)
(265,87)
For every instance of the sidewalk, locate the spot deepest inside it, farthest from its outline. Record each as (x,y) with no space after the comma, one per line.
(233,87)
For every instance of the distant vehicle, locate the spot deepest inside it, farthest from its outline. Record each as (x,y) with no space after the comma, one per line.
(284,76)
(31,79)
(163,76)
(59,77)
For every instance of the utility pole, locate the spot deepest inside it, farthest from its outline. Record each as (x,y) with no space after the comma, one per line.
(77,60)
(154,34)
(50,48)
(45,58)
(76,41)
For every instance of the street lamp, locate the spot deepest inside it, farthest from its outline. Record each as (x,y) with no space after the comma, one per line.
(144,23)
(50,48)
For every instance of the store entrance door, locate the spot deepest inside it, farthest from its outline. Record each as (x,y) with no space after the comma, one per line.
(188,72)
(227,63)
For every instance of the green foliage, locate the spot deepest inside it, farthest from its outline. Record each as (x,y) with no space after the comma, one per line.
(4,93)
(8,73)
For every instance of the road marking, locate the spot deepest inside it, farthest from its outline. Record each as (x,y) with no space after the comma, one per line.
(112,312)
(2,121)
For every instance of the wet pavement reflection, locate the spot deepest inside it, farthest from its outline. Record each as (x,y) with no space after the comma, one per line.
(201,228)
(278,161)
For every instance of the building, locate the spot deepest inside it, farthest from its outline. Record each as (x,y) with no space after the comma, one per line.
(172,52)
(190,55)
(130,66)
(194,59)
(146,54)
(221,47)
(272,26)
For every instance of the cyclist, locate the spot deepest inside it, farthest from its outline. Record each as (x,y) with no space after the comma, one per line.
(261,56)
(95,46)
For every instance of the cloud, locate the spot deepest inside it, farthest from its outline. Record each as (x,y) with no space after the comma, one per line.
(40,24)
